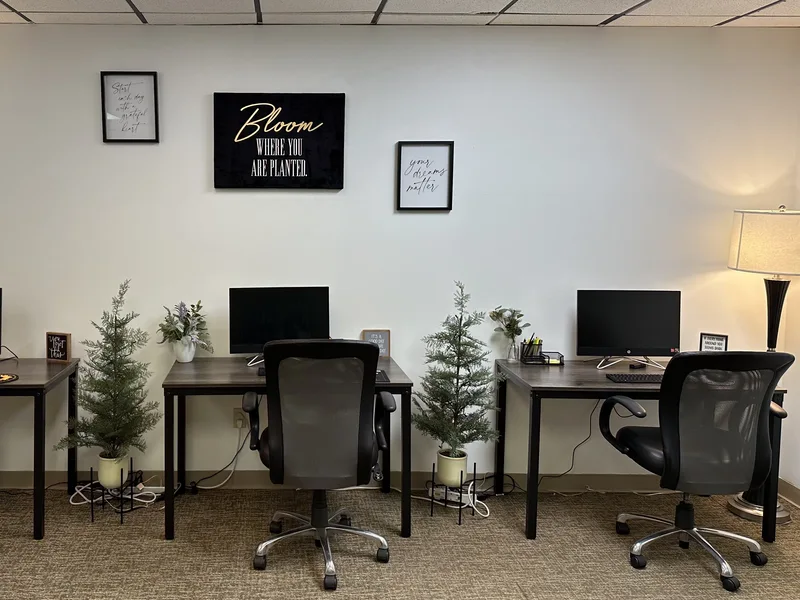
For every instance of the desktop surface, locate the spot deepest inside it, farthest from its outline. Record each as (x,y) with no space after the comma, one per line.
(213,372)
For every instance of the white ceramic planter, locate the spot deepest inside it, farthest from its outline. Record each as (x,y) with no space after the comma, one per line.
(184,350)
(449,469)
(108,472)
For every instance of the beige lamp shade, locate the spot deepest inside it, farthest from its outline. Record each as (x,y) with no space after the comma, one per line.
(766,241)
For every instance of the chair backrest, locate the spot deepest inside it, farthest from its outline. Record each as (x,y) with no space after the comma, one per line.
(320,411)
(714,415)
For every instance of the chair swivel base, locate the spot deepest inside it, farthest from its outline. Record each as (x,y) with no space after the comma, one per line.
(339,522)
(684,527)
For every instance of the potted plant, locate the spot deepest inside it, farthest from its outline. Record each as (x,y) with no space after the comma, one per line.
(456,390)
(114,391)
(186,328)
(510,325)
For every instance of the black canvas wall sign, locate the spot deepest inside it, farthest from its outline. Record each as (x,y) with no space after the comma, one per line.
(279,141)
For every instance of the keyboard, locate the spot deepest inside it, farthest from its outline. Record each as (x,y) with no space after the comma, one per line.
(635,377)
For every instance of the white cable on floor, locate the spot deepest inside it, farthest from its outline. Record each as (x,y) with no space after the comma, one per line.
(146,498)
(233,467)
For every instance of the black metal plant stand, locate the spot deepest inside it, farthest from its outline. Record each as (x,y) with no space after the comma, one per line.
(106,493)
(474,494)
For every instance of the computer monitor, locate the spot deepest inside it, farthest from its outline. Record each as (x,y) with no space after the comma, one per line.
(261,315)
(629,323)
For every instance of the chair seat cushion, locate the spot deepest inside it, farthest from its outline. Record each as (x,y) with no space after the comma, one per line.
(645,447)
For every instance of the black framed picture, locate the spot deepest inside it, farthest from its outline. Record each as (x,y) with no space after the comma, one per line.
(279,141)
(129,103)
(425,176)
(713,342)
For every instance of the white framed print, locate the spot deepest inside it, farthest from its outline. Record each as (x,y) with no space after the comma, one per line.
(425,176)
(129,101)
(713,342)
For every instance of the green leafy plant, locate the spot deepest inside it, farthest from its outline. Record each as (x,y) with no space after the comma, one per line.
(456,390)
(114,387)
(186,322)
(510,322)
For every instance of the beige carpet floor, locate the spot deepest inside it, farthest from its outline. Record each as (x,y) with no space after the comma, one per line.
(577,555)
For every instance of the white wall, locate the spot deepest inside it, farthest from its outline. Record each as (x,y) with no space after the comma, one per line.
(617,154)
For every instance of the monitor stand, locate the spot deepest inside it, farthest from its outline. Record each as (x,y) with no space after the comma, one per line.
(256,360)
(610,361)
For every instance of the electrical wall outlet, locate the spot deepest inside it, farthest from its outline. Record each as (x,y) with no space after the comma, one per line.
(240,420)
(452,495)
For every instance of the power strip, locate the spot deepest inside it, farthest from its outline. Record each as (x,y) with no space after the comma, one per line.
(452,495)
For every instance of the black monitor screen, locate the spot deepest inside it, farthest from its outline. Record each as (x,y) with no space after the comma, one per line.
(623,322)
(261,315)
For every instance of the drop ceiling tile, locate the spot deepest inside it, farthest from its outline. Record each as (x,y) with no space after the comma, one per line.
(75,18)
(61,6)
(666,21)
(572,7)
(319,6)
(418,19)
(10,17)
(341,18)
(451,7)
(730,8)
(196,6)
(765,22)
(201,19)
(507,19)
(790,8)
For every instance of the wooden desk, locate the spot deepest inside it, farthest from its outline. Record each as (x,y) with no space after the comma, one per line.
(582,380)
(230,376)
(36,378)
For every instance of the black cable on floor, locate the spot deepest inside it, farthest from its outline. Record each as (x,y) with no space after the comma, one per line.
(575,449)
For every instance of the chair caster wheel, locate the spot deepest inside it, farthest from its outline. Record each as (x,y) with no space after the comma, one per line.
(275,527)
(759,559)
(382,555)
(684,545)
(638,561)
(730,583)
(259,562)
(318,544)
(623,528)
(329,583)
(343,520)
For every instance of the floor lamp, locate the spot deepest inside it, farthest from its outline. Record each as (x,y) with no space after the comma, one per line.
(765,241)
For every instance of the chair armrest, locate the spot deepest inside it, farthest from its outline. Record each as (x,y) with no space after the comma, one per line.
(777,410)
(631,405)
(385,404)
(250,406)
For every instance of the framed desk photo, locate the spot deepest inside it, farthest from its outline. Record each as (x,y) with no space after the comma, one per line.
(425,176)
(129,103)
(713,342)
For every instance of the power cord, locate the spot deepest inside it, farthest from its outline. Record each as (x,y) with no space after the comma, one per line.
(195,485)
(575,449)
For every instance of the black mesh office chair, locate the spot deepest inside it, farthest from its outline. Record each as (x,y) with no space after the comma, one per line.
(714,411)
(324,432)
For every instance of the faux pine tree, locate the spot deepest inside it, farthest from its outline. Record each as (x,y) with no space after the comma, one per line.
(457,389)
(113,387)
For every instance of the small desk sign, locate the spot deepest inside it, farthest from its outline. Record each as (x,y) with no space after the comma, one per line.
(713,342)
(379,337)
(59,347)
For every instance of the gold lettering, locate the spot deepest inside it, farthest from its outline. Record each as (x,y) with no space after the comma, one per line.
(255,125)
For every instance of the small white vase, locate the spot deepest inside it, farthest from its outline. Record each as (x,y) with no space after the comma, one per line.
(108,472)
(184,350)
(449,469)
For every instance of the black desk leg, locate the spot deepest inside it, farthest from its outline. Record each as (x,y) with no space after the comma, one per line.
(72,414)
(532,499)
(182,444)
(500,446)
(405,487)
(386,484)
(38,465)
(768,522)
(169,466)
